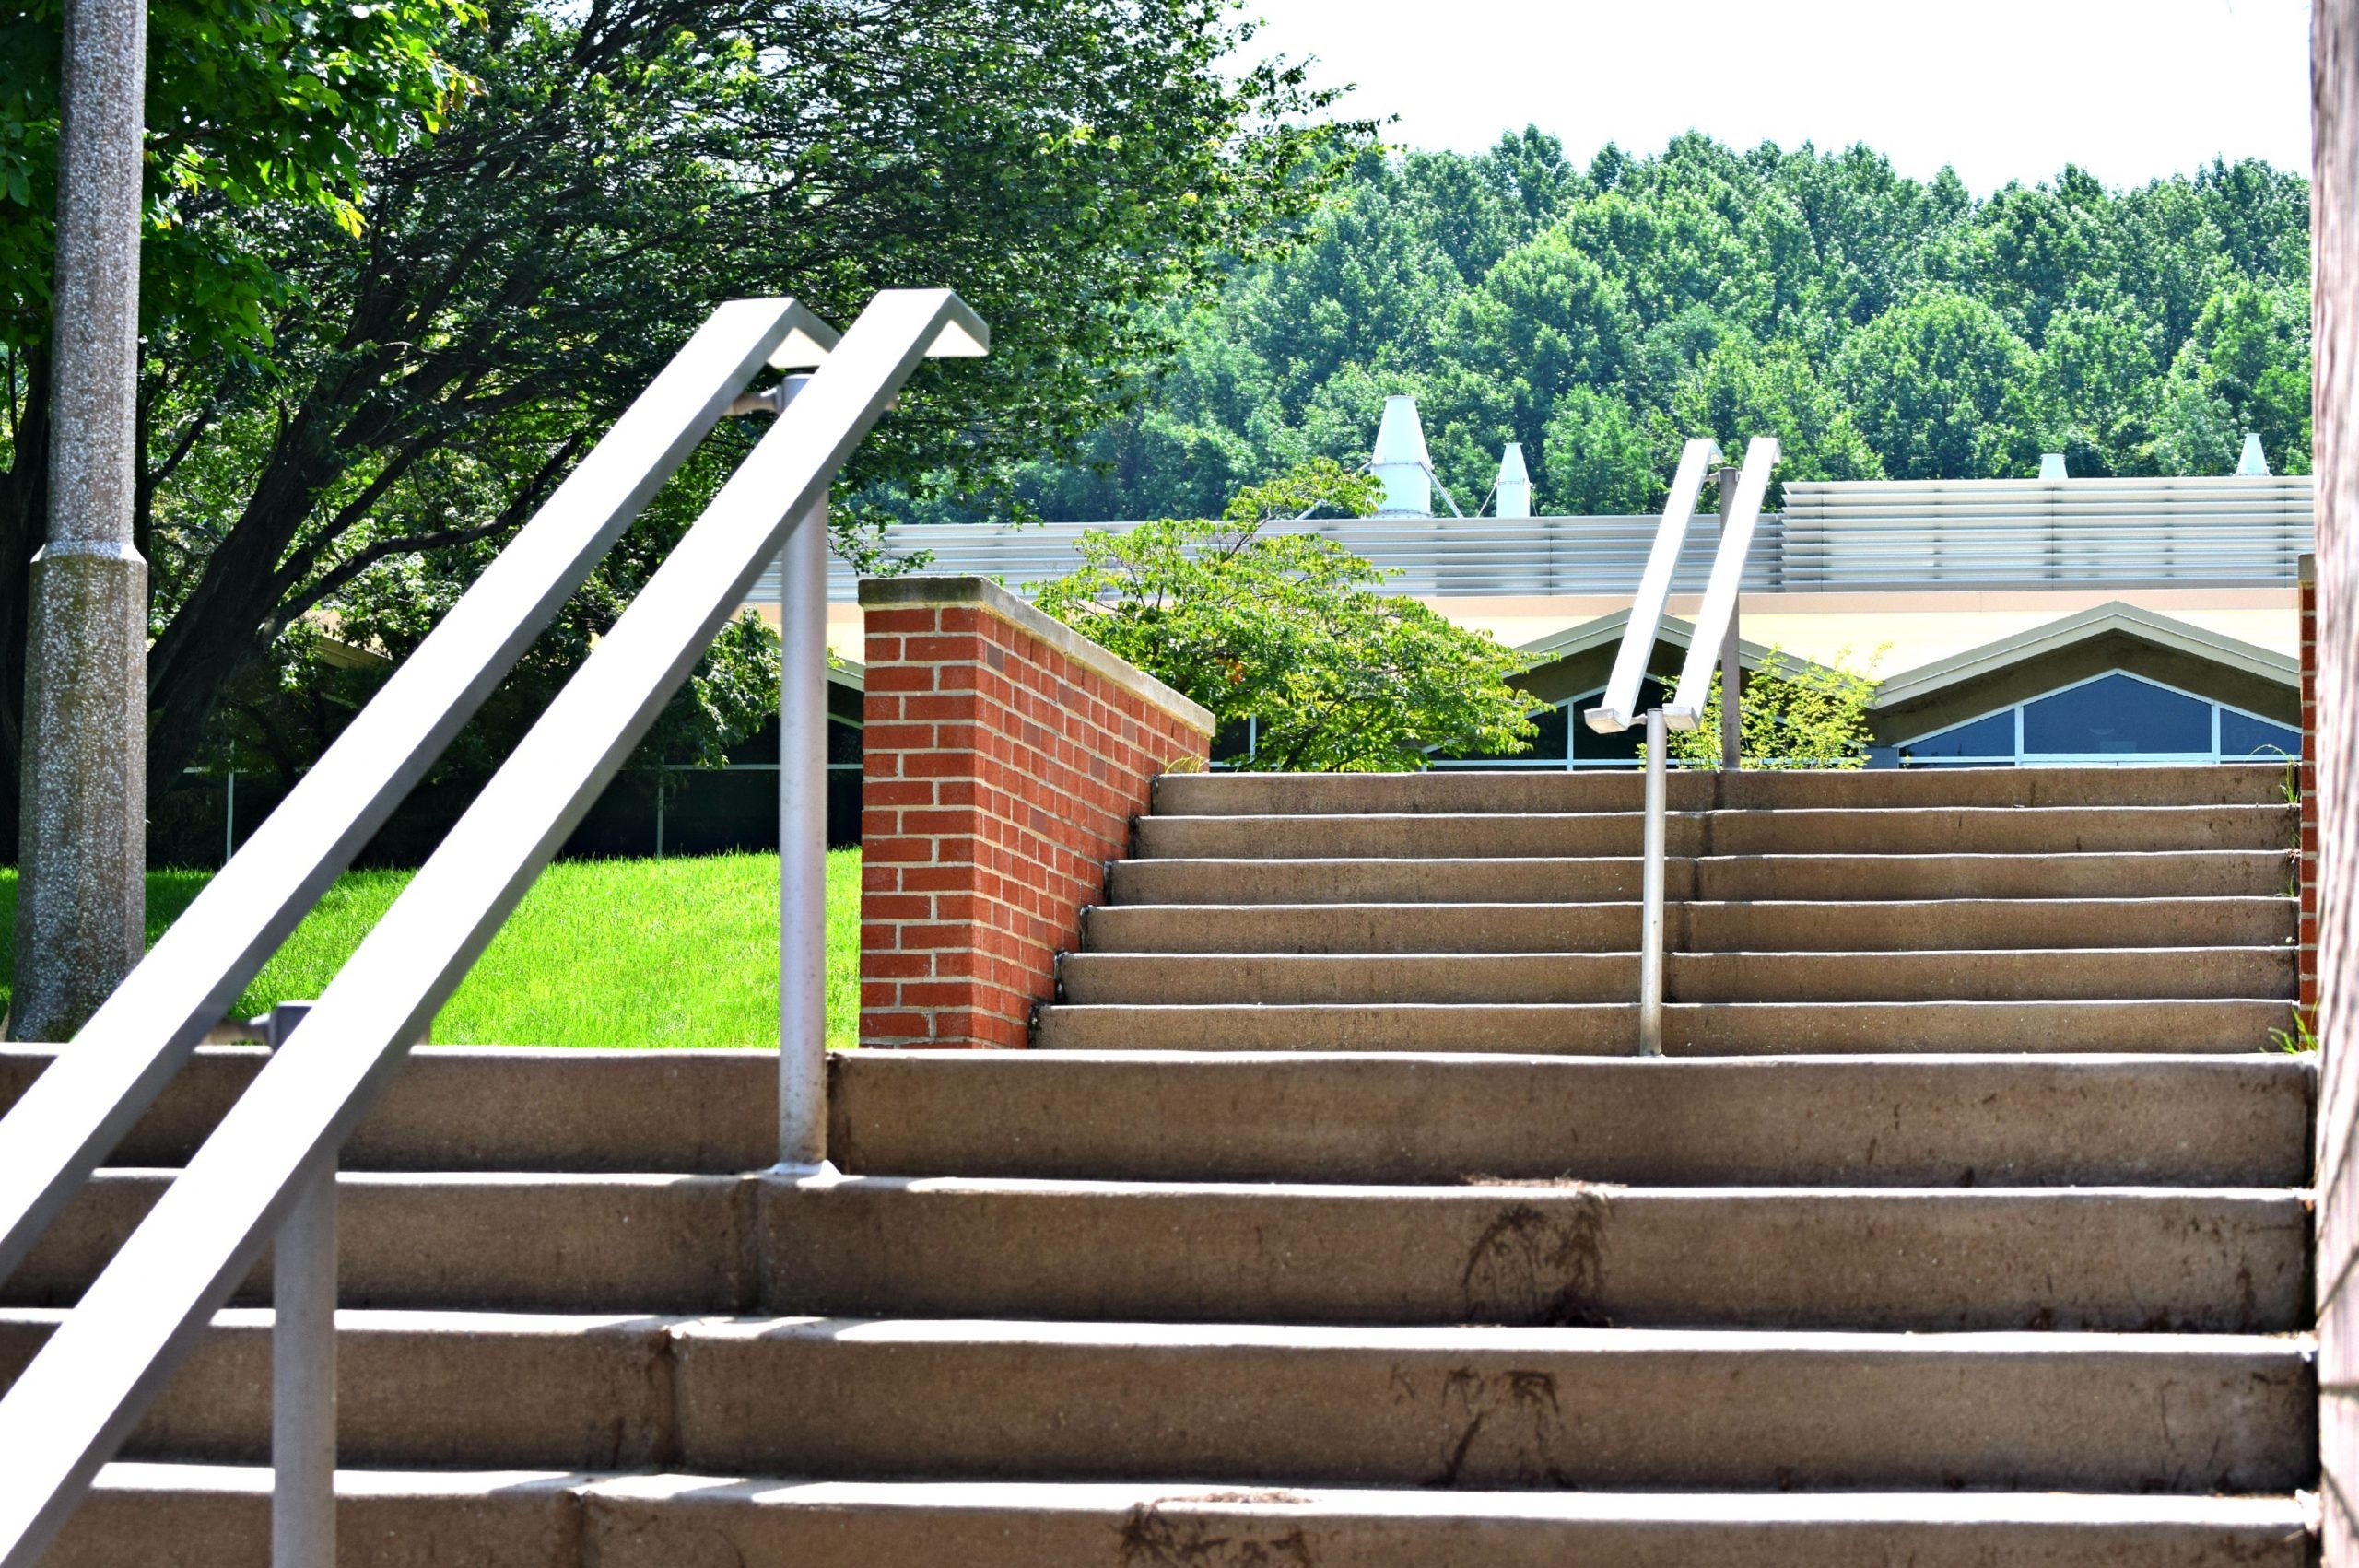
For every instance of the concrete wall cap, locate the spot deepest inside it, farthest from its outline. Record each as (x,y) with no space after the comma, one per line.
(919,590)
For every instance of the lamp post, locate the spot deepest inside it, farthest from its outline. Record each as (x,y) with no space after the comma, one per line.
(83,849)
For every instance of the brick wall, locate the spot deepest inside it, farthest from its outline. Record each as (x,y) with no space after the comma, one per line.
(2307,962)
(1004,758)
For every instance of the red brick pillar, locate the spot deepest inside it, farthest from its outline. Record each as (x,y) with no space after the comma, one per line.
(2305,872)
(1003,757)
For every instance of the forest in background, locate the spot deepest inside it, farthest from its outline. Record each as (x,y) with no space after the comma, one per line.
(1883,327)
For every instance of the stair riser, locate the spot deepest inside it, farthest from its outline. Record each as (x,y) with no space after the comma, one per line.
(1689,1029)
(2195,873)
(1267,793)
(2095,975)
(2209,1262)
(1888,1122)
(462,1108)
(1207,1527)
(1693,926)
(2031,831)
(530,1521)
(516,1522)
(678,1244)
(479,1397)
(1481,1408)
(819,1401)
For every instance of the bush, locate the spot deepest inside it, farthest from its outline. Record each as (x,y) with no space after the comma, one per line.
(1803,715)
(1288,630)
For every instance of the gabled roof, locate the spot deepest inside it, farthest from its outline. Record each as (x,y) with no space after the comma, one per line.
(2103,620)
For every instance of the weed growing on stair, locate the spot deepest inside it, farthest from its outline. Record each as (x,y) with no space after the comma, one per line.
(680,951)
(2297,1039)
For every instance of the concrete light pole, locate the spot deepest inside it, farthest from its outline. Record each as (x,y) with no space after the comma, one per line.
(83,851)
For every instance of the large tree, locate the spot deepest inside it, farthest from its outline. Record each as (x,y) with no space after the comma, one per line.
(252,106)
(1704,288)
(620,167)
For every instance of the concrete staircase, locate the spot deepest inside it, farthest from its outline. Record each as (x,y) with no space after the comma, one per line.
(1335,1226)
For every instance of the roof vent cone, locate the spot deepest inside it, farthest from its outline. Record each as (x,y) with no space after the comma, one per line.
(2252,463)
(2051,466)
(1514,486)
(1400,462)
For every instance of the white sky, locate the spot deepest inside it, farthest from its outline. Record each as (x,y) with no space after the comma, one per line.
(2002,89)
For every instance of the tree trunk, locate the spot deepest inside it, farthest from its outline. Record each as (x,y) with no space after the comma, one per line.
(2335,326)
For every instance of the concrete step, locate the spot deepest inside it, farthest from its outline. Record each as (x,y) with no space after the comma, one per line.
(1891,925)
(1735,1028)
(218,1516)
(2187,873)
(1850,1121)
(1264,795)
(1493,1408)
(1483,1408)
(1539,1253)
(1898,831)
(505,1108)
(2139,1259)
(509,1243)
(462,1390)
(2019,975)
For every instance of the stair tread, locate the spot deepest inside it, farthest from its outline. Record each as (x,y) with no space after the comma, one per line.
(2281,1511)
(1119,1334)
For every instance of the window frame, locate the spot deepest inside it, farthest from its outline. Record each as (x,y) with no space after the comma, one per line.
(2021,758)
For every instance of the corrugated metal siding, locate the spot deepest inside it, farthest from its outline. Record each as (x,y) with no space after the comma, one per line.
(2124,533)
(1430,556)
(1831,537)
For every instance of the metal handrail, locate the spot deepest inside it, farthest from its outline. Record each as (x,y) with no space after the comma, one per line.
(74,1404)
(1718,613)
(78,1110)
(1714,622)
(1619,709)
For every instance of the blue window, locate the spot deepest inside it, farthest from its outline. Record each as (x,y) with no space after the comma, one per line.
(1992,737)
(2242,735)
(2115,715)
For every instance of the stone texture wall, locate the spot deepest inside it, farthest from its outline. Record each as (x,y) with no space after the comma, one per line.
(1004,758)
(2338,1207)
(2305,871)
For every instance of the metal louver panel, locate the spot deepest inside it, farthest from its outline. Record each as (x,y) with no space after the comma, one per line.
(1848,537)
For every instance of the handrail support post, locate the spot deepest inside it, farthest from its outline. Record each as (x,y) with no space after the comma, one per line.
(1651,884)
(302,1362)
(1732,666)
(803,837)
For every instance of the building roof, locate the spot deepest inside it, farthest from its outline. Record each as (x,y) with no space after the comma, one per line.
(2089,625)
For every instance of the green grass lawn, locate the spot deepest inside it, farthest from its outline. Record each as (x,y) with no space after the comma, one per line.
(601,953)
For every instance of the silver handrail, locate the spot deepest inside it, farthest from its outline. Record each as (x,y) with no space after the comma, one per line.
(1618,711)
(1718,613)
(74,1404)
(78,1110)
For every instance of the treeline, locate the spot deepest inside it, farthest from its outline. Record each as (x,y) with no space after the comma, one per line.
(1881,326)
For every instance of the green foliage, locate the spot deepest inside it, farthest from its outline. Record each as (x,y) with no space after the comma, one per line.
(1801,715)
(601,954)
(1288,630)
(1881,327)
(254,106)
(1942,388)
(1079,169)
(2296,1040)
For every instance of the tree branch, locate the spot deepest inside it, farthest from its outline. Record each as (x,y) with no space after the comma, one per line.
(511,517)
